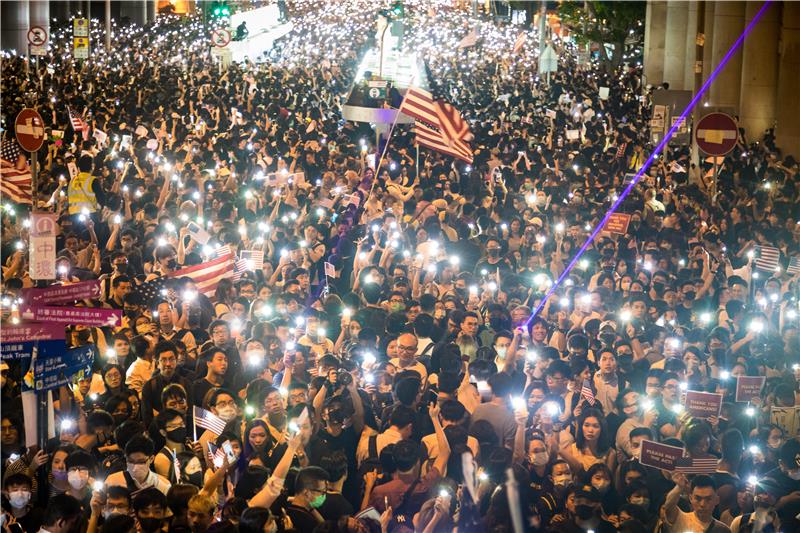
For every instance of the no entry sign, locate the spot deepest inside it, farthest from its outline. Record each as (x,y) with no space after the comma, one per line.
(29,129)
(220,38)
(37,36)
(716,134)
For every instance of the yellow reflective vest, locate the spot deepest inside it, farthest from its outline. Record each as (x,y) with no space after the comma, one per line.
(80,194)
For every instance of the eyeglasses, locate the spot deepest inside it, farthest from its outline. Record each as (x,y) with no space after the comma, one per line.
(407,348)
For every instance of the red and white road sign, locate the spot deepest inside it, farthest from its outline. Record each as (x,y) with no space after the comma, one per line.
(220,38)
(37,36)
(716,134)
(29,128)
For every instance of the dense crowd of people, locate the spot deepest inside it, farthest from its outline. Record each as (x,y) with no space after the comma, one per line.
(381,368)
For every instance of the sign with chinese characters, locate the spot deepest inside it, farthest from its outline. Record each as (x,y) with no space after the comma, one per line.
(74,315)
(34,331)
(52,371)
(15,351)
(43,245)
(61,294)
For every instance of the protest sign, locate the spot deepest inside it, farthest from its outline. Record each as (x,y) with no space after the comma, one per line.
(703,404)
(59,294)
(74,315)
(618,223)
(748,387)
(659,455)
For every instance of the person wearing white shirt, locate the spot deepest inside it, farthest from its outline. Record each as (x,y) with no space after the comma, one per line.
(139,456)
(702,494)
(141,369)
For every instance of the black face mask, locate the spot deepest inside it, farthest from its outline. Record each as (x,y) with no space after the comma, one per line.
(195,479)
(658,287)
(150,525)
(172,264)
(493,253)
(584,512)
(177,435)
(462,292)
(119,419)
(689,296)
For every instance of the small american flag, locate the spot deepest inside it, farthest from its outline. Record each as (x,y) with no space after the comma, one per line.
(330,270)
(78,124)
(208,420)
(794,265)
(695,465)
(222,251)
(216,455)
(249,260)
(520,42)
(767,258)
(587,393)
(177,466)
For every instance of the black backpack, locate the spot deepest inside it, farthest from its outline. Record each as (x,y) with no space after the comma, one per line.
(373,461)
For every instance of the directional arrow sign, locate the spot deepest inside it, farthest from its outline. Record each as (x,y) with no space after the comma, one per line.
(61,294)
(84,316)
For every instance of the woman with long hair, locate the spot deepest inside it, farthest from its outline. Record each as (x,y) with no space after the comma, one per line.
(592,443)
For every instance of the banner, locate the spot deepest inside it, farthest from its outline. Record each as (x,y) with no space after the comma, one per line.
(60,294)
(74,315)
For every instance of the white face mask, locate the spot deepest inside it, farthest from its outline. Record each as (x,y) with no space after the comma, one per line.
(19,498)
(539,458)
(794,474)
(77,479)
(227,413)
(602,486)
(561,481)
(501,352)
(139,472)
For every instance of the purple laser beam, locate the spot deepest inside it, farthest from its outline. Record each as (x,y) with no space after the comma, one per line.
(650,159)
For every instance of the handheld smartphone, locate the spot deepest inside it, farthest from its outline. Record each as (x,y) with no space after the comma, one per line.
(228,449)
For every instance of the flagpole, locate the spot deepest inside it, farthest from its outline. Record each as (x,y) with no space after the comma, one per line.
(417,163)
(194,425)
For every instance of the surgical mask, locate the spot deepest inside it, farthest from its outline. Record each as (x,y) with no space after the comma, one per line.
(60,475)
(77,479)
(562,481)
(119,419)
(397,307)
(602,486)
(195,479)
(641,501)
(317,502)
(19,498)
(794,474)
(227,413)
(139,472)
(658,287)
(539,458)
(689,296)
(501,352)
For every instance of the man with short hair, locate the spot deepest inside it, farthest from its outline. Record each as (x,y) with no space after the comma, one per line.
(496,411)
(216,370)
(17,489)
(702,495)
(139,456)
(201,512)
(166,357)
(61,515)
(310,491)
(150,510)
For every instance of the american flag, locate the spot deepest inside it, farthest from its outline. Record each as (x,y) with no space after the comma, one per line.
(177,466)
(15,177)
(438,125)
(208,420)
(207,276)
(249,260)
(694,465)
(794,265)
(222,251)
(520,42)
(78,124)
(216,455)
(453,126)
(587,393)
(767,258)
(470,39)
(145,293)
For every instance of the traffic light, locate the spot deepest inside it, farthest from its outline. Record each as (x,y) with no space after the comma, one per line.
(220,9)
